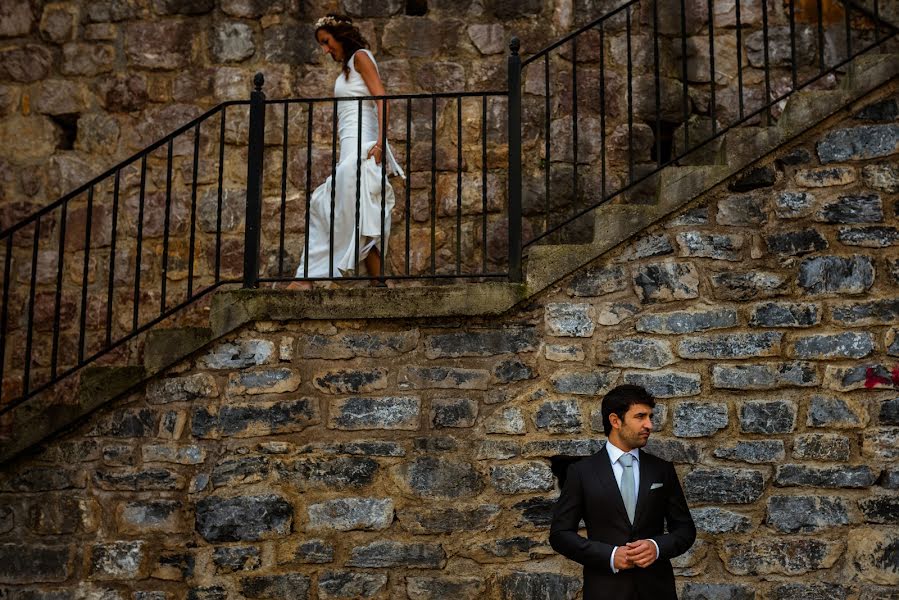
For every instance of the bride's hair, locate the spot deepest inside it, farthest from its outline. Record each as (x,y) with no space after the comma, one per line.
(348,35)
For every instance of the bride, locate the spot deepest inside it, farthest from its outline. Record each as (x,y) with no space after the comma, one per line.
(343,42)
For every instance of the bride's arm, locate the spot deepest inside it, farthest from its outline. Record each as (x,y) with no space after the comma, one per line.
(366,68)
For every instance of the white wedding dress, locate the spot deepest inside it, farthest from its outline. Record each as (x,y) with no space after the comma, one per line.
(346,237)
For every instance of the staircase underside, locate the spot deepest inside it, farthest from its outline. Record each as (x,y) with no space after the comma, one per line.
(616,223)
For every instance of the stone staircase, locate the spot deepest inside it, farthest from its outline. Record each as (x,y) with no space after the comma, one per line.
(676,187)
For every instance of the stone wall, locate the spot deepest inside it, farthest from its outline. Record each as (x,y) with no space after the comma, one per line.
(419,459)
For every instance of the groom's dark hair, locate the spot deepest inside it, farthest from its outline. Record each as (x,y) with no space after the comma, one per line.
(620,399)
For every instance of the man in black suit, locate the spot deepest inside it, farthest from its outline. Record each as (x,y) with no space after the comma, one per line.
(626,498)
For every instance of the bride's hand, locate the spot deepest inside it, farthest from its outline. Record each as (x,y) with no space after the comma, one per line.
(375,152)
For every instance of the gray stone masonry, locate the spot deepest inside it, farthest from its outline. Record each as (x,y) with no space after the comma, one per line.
(420,458)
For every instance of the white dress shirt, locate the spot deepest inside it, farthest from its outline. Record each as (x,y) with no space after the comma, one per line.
(618,470)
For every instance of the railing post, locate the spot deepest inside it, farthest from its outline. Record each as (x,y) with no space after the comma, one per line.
(514,161)
(255,151)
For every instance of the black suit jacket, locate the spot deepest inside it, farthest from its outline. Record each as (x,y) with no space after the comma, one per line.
(591,493)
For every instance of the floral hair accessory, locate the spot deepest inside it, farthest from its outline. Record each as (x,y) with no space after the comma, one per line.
(326,21)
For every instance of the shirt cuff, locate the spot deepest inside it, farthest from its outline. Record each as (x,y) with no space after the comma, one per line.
(657,547)
(612,561)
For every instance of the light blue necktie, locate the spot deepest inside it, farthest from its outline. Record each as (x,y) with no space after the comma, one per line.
(627,485)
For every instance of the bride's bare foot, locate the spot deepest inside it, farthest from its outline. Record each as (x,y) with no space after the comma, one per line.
(300,285)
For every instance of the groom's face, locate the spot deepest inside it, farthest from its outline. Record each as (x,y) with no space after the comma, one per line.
(636,426)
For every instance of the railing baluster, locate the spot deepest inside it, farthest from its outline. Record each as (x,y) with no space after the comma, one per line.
(846,10)
(140,241)
(514,128)
(876,21)
(166,226)
(574,140)
(767,64)
(794,70)
(630,100)
(191,250)
(740,59)
(218,205)
(433,199)
(547,151)
(357,233)
(685,100)
(309,120)
(255,165)
(657,78)
(383,248)
(820,10)
(4,313)
(408,186)
(112,256)
(57,306)
(712,99)
(458,185)
(484,183)
(84,275)
(29,331)
(333,189)
(602,111)
(283,193)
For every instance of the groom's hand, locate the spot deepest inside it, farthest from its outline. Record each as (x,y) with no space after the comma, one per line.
(641,553)
(621,558)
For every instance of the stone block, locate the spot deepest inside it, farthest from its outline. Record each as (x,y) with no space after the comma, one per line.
(753,451)
(263,381)
(432,477)
(835,413)
(522,478)
(593,383)
(182,389)
(445,378)
(862,142)
(679,322)
(717,591)
(289,43)
(29,563)
(453,412)
(786,556)
(507,420)
(118,560)
(392,554)
(785,314)
(314,552)
(240,470)
(791,514)
(253,420)
(548,448)
(439,588)
(724,486)
(674,450)
(511,370)
(349,514)
(158,45)
(497,450)
(597,281)
(852,209)
(350,381)
(699,419)
(243,518)
(719,520)
(640,353)
(882,176)
(126,423)
(821,446)
(146,516)
(667,384)
(388,412)
(731,285)
(881,443)
(521,585)
(836,274)
(232,41)
(569,319)
(559,416)
(889,412)
(730,346)
(764,376)
(793,205)
(861,377)
(238,354)
(190,454)
(820,177)
(796,243)
(289,586)
(350,584)
(613,313)
(871,553)
(144,480)
(648,246)
(744,210)
(847,476)
(694,244)
(869,237)
(881,509)
(488,38)
(416,37)
(774,416)
(481,343)
(356,344)
(334,473)
(563,353)
(231,559)
(808,591)
(449,520)
(666,282)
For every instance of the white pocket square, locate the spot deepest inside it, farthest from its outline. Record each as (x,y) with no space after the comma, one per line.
(655,486)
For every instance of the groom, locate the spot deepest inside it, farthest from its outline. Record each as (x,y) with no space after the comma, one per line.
(628,499)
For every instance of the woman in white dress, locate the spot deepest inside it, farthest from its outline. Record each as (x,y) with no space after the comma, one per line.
(352,246)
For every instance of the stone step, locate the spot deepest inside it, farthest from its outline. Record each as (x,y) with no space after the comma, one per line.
(165,347)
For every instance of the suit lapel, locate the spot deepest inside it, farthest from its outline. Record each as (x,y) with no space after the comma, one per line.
(607,477)
(647,476)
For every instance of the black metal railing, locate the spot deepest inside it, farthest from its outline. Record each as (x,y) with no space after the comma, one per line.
(654,83)
(226,198)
